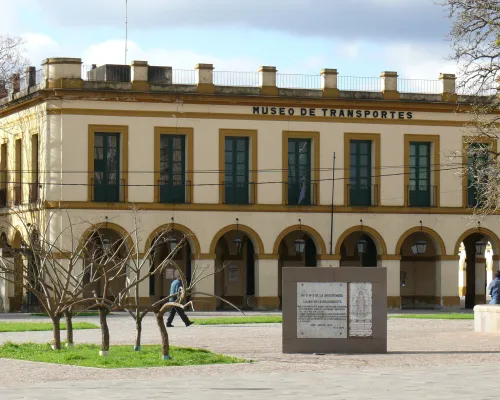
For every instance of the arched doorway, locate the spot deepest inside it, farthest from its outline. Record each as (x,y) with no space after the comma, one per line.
(235,250)
(99,242)
(297,248)
(476,249)
(420,253)
(160,282)
(360,246)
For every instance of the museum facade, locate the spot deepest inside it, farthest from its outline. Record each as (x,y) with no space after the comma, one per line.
(260,170)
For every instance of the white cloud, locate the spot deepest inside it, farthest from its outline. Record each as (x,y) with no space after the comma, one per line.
(113,52)
(39,46)
(419,62)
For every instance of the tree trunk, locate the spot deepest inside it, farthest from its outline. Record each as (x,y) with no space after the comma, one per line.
(103,313)
(164,335)
(69,327)
(138,329)
(56,322)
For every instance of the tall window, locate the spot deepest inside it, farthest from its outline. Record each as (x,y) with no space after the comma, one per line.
(34,187)
(172,169)
(18,185)
(299,172)
(419,190)
(236,170)
(477,160)
(3,175)
(360,173)
(107,167)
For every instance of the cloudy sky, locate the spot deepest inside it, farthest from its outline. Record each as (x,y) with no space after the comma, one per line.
(358,37)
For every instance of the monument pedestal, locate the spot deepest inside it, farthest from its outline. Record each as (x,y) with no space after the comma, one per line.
(487,318)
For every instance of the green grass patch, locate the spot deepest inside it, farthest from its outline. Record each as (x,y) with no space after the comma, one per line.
(265,319)
(87,355)
(75,314)
(434,316)
(40,326)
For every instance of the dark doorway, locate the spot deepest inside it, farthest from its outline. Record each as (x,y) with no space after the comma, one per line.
(310,253)
(369,258)
(250,269)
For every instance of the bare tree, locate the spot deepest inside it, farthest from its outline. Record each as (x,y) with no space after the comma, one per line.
(475,39)
(51,272)
(12,60)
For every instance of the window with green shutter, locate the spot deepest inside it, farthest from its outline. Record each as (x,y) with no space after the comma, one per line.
(106,167)
(236,182)
(477,160)
(419,190)
(172,169)
(299,172)
(360,173)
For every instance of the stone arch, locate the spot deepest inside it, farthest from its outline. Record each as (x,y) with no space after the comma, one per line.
(492,236)
(191,237)
(374,235)
(438,241)
(254,237)
(122,232)
(313,233)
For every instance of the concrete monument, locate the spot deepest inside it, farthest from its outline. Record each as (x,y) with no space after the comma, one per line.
(334,310)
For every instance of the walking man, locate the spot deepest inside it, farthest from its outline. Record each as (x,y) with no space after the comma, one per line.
(174,291)
(494,289)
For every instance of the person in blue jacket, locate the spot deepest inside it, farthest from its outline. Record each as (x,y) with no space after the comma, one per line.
(174,291)
(494,289)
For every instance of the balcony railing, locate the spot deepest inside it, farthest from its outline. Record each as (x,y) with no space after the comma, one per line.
(362,195)
(113,193)
(34,192)
(241,193)
(18,194)
(174,192)
(422,196)
(302,195)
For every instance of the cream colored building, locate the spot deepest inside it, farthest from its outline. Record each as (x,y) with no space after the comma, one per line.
(243,164)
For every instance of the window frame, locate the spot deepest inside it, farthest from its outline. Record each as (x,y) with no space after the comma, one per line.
(188,134)
(122,131)
(252,165)
(375,149)
(315,164)
(435,173)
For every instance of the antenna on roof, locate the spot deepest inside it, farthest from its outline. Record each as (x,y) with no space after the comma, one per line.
(126,30)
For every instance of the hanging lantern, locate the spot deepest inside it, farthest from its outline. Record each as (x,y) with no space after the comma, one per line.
(361,245)
(300,245)
(172,244)
(106,247)
(480,247)
(419,247)
(237,242)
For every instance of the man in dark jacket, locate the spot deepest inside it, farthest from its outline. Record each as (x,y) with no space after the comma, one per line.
(174,292)
(494,289)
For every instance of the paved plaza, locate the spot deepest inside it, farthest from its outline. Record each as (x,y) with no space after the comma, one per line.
(435,359)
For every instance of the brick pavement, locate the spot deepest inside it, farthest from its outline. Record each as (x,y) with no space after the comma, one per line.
(428,358)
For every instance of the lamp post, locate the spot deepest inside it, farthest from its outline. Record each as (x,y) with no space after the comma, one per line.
(361,246)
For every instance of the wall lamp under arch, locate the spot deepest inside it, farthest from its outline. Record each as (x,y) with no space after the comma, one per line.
(420,246)
(300,243)
(480,247)
(106,245)
(237,240)
(172,241)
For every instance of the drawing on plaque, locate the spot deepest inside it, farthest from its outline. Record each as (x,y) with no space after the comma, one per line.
(321,310)
(360,309)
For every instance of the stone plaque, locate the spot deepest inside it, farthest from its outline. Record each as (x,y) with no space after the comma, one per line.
(360,309)
(321,310)
(233,273)
(169,273)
